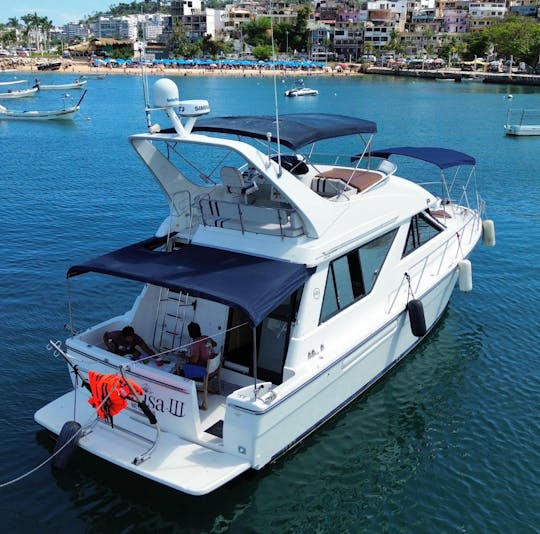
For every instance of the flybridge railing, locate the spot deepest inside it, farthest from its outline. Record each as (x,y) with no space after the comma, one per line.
(284,222)
(437,258)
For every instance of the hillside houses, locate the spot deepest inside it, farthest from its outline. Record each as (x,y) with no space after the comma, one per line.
(336,30)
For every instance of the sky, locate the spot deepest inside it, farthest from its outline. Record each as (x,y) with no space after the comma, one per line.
(58,11)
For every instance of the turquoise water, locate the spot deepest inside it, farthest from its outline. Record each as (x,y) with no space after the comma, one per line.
(447,442)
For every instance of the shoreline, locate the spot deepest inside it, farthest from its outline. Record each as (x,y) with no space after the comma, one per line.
(79,68)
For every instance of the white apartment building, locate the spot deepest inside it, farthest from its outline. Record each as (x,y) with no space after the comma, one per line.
(73,30)
(116,28)
(487,9)
(482,14)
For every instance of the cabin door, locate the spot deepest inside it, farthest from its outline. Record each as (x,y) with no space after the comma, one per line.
(273,340)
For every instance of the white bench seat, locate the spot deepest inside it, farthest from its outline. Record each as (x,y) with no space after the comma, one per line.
(250,218)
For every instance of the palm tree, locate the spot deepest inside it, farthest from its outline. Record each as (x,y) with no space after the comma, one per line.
(369,47)
(37,29)
(46,27)
(395,43)
(29,30)
(13,22)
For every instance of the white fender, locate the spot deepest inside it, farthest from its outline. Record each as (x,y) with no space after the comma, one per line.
(465,275)
(488,232)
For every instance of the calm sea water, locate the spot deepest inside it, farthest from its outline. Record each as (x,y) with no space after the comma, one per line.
(448,442)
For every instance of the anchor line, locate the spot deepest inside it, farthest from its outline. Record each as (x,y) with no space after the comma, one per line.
(88,425)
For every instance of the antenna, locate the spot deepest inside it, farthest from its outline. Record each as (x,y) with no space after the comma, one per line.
(145,86)
(276,108)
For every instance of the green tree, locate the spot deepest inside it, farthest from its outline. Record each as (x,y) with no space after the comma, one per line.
(518,37)
(9,38)
(478,44)
(283,32)
(452,48)
(299,39)
(13,22)
(395,43)
(368,47)
(46,26)
(257,32)
(180,44)
(214,48)
(262,52)
(427,37)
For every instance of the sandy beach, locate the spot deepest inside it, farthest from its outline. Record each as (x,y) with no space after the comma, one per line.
(78,68)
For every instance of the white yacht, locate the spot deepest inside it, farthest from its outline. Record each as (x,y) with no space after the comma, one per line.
(301,90)
(314,274)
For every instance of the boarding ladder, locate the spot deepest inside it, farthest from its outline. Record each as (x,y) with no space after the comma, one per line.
(174,312)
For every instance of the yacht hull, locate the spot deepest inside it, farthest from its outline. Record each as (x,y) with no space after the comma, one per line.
(317,400)
(204,462)
(522,130)
(175,462)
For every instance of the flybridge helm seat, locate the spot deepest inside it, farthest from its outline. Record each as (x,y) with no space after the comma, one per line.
(234,182)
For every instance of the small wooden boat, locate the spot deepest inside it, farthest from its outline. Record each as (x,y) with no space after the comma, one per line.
(12,82)
(77,84)
(18,93)
(66,113)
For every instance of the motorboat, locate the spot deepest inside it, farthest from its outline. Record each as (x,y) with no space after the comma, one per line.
(523,122)
(18,93)
(77,84)
(314,275)
(66,113)
(300,90)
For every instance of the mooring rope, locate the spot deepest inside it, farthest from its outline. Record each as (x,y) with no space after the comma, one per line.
(88,425)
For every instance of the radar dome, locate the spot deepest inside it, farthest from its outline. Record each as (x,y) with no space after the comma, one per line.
(165,93)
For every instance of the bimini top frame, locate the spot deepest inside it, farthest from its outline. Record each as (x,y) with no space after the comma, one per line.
(252,284)
(296,130)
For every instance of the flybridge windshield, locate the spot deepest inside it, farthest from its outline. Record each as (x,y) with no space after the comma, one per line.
(201,163)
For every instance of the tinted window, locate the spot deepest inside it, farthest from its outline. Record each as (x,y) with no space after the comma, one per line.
(353,276)
(421,230)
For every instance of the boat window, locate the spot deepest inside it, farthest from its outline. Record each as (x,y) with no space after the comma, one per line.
(353,276)
(421,230)
(201,165)
(372,256)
